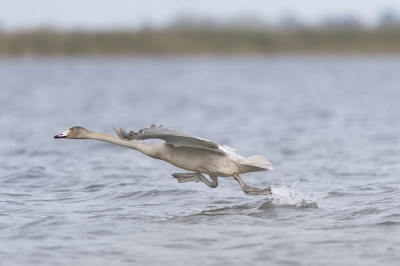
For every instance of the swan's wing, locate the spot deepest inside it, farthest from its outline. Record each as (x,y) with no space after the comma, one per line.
(170,136)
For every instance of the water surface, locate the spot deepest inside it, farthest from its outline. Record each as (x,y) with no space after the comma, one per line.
(330,126)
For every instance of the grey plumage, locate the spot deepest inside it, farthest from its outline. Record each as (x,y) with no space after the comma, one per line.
(197,155)
(258,161)
(172,137)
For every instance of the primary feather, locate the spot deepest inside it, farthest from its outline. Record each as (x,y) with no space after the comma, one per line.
(172,137)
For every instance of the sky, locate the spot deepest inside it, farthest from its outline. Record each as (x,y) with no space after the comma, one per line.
(111,14)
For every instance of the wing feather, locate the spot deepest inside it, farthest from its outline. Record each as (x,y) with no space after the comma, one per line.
(172,137)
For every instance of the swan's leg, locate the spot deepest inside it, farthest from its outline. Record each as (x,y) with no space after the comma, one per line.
(251,190)
(182,178)
(212,184)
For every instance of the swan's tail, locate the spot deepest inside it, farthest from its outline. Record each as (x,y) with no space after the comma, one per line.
(261,162)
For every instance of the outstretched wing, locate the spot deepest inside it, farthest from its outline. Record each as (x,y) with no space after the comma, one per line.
(170,136)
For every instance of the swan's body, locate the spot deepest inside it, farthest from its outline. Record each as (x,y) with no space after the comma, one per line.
(183,151)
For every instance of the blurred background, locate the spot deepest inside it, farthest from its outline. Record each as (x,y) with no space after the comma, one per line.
(198,27)
(311,85)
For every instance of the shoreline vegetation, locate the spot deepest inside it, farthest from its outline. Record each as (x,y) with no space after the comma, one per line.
(48,42)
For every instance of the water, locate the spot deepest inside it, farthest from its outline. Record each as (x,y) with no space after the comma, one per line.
(330,126)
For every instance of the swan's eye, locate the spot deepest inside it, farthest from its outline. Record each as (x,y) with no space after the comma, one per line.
(72,129)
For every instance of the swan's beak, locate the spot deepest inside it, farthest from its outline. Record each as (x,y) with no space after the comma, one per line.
(62,135)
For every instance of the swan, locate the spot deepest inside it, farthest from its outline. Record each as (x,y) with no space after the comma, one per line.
(197,155)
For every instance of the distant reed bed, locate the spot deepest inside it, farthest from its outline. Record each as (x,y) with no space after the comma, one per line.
(46,42)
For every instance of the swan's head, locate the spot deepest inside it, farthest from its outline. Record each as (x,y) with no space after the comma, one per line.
(76,132)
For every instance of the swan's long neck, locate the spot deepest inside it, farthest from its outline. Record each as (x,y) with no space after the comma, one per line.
(148,149)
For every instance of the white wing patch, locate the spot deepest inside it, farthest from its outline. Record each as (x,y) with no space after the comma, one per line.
(230,149)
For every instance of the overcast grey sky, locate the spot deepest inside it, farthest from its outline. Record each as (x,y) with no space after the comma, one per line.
(99,14)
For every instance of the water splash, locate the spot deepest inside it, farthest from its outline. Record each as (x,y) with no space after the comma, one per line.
(291,196)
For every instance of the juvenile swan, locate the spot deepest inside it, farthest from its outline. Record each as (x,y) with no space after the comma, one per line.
(200,156)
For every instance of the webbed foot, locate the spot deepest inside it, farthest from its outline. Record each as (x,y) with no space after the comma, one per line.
(187,177)
(182,178)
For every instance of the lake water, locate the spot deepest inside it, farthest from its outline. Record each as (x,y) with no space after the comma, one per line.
(329,125)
